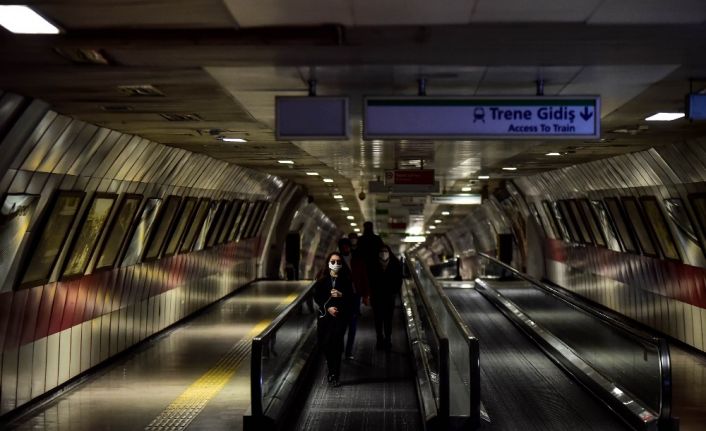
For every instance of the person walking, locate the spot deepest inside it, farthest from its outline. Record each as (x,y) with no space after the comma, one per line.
(359,277)
(385,286)
(333,293)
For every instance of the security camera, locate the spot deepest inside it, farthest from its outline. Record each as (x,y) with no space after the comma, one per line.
(361,196)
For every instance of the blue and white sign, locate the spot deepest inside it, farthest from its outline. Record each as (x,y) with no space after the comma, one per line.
(482,117)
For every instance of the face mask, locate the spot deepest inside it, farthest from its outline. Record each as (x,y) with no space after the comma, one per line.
(384,256)
(335,266)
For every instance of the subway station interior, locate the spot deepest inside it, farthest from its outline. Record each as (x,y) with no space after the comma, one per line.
(175,174)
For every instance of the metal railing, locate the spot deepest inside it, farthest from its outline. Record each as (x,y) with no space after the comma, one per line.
(463,389)
(280,354)
(638,364)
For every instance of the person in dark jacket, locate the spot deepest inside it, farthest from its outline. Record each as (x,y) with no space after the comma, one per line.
(385,285)
(359,277)
(333,293)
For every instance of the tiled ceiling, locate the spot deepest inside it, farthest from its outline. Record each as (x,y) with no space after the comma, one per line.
(213,59)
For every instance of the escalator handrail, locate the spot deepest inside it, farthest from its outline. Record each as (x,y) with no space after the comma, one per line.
(471,340)
(660,343)
(256,353)
(443,341)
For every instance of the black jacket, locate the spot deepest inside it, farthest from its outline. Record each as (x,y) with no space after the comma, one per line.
(322,295)
(386,283)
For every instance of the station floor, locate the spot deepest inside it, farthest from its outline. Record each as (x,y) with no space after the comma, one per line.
(196,376)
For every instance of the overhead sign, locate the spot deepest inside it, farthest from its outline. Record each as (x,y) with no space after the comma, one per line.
(409,176)
(311,118)
(482,117)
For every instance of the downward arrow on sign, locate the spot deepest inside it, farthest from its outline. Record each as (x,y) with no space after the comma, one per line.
(586,114)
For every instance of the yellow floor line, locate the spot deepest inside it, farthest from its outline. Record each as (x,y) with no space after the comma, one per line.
(184,409)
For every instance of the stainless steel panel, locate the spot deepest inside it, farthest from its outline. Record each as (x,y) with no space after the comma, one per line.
(62,132)
(56,159)
(39,367)
(24,135)
(24,373)
(75,351)
(52,374)
(64,355)
(86,348)
(107,160)
(8,391)
(95,341)
(101,152)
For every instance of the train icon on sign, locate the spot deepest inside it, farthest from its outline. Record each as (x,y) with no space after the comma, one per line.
(479,114)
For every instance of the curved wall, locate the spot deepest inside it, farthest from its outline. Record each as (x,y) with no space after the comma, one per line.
(52,331)
(659,280)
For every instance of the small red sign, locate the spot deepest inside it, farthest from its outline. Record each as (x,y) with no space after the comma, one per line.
(413,176)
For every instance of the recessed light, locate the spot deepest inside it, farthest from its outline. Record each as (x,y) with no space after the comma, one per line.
(338,196)
(665,116)
(328,180)
(24,20)
(437,221)
(286,162)
(483,177)
(445,213)
(509,168)
(428,232)
(233,139)
(312,174)
(414,238)
(432,227)
(356,230)
(345,209)
(553,154)
(466,189)
(350,217)
(354,224)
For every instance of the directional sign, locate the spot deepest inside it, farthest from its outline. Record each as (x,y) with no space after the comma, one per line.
(482,117)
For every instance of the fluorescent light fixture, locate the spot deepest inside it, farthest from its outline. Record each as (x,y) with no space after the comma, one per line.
(23,20)
(233,139)
(338,196)
(432,227)
(356,230)
(445,213)
(428,232)
(345,209)
(313,174)
(328,180)
(665,116)
(457,199)
(509,168)
(553,154)
(466,189)
(350,217)
(414,238)
(286,162)
(354,224)
(437,221)
(483,177)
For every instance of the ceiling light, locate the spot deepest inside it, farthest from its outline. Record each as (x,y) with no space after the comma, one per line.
(466,189)
(345,209)
(23,20)
(437,221)
(665,116)
(354,224)
(350,217)
(356,230)
(483,177)
(428,232)
(338,196)
(445,213)
(328,180)
(509,168)
(312,174)
(234,140)
(553,154)
(432,227)
(286,162)
(414,238)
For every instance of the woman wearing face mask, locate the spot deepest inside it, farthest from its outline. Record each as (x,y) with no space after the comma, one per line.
(385,286)
(333,292)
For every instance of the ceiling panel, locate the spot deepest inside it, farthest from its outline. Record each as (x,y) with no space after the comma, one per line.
(406,12)
(650,12)
(250,13)
(533,11)
(616,84)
